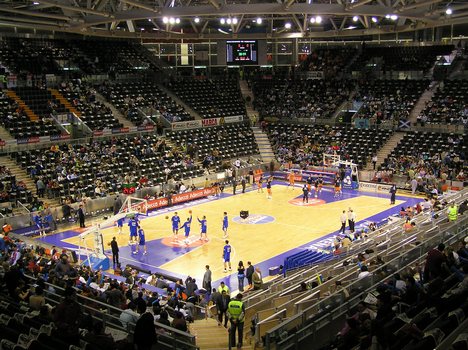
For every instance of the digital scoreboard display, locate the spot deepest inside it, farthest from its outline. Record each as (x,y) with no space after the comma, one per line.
(242,52)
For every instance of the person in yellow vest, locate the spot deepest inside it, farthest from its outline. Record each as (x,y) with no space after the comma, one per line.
(452,212)
(222,287)
(236,314)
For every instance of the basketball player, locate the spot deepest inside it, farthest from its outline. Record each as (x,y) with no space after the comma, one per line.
(309,184)
(141,241)
(175,226)
(40,224)
(305,194)
(203,228)
(292,179)
(120,224)
(225,225)
(268,186)
(337,187)
(133,225)
(259,184)
(186,227)
(227,256)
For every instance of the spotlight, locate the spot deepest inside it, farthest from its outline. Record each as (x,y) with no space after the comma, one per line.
(171,20)
(196,20)
(234,20)
(165,20)
(259,20)
(222,21)
(177,20)
(374,19)
(448,11)
(228,21)
(355,18)
(393,17)
(312,20)
(287,25)
(149,19)
(318,19)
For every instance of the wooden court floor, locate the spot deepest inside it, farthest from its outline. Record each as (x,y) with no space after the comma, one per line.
(276,226)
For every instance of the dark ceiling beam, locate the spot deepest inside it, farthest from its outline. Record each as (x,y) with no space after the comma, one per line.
(35,14)
(76,9)
(417,4)
(358,4)
(140,5)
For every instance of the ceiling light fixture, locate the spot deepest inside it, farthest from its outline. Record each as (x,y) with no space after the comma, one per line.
(234,20)
(177,20)
(171,20)
(165,20)
(312,20)
(287,25)
(228,21)
(393,17)
(318,19)
(197,20)
(355,18)
(374,19)
(222,21)
(448,11)
(259,20)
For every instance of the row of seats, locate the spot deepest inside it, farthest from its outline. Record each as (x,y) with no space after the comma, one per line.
(328,60)
(211,98)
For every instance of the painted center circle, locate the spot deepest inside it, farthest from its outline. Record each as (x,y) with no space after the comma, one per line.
(182,242)
(254,219)
(312,202)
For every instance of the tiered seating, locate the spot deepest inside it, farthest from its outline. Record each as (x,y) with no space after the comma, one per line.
(402,58)
(40,101)
(117,56)
(36,56)
(304,145)
(79,169)
(291,99)
(429,153)
(214,144)
(449,104)
(211,98)
(129,96)
(328,60)
(19,125)
(94,113)
(305,258)
(389,99)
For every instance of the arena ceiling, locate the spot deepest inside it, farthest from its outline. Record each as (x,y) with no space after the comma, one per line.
(224,19)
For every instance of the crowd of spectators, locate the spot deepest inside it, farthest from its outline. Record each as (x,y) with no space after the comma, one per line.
(293,99)
(330,61)
(448,106)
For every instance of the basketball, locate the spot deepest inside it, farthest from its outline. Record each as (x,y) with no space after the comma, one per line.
(167,217)
(190,212)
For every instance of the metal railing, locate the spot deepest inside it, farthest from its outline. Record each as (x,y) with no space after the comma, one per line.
(301,320)
(171,338)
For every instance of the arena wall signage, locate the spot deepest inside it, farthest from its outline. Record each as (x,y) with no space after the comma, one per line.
(180,198)
(193,124)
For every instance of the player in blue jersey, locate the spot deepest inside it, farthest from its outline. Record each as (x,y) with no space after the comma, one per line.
(203,228)
(40,224)
(175,226)
(227,256)
(133,225)
(120,223)
(141,241)
(186,227)
(225,225)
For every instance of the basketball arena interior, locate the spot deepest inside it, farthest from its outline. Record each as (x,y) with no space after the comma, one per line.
(233,174)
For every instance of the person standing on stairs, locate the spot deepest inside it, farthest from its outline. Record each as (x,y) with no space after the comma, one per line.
(374,161)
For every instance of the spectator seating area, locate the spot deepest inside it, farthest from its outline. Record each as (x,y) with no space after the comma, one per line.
(401,58)
(330,61)
(316,301)
(211,98)
(213,145)
(292,99)
(430,156)
(304,145)
(448,105)
(385,100)
(129,96)
(46,303)
(103,167)
(15,120)
(95,114)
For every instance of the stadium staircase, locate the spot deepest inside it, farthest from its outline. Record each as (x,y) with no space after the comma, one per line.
(248,97)
(386,149)
(32,116)
(57,95)
(264,146)
(22,175)
(421,104)
(212,337)
(5,135)
(115,112)
(180,102)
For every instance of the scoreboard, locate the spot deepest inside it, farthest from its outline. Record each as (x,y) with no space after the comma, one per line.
(241,52)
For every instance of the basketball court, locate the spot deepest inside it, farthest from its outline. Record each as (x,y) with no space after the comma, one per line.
(275,229)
